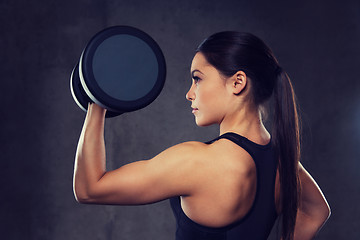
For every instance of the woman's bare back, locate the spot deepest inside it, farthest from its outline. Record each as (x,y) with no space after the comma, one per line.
(229,186)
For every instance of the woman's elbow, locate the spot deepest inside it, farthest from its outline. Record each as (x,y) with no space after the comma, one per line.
(326,213)
(80,197)
(315,217)
(83,197)
(322,215)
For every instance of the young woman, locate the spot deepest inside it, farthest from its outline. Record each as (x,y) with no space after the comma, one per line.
(235,186)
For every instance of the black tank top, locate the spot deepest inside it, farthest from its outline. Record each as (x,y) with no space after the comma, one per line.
(258,222)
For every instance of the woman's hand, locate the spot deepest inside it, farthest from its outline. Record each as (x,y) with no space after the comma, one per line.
(95,109)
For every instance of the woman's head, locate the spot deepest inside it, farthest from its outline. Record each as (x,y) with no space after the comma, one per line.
(230,52)
(212,95)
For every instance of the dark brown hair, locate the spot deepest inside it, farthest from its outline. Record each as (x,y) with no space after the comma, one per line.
(230,52)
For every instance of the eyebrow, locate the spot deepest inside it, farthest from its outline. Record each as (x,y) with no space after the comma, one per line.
(192,73)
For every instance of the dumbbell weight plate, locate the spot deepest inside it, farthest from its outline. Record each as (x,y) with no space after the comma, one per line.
(122,69)
(79,95)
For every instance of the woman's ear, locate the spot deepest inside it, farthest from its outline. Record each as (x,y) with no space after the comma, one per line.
(238,82)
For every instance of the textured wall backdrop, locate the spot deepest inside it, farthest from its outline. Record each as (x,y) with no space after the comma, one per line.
(317,42)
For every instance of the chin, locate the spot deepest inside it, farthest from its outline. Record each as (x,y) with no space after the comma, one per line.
(202,123)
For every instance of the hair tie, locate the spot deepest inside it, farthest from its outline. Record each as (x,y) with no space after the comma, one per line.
(278,70)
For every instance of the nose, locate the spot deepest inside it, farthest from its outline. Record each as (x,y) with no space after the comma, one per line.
(190,95)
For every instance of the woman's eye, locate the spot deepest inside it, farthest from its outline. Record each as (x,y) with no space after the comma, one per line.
(196,79)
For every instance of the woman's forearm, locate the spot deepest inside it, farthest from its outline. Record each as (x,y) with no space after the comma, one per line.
(90,160)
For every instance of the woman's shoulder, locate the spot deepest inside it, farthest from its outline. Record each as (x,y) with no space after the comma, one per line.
(193,151)
(219,154)
(189,147)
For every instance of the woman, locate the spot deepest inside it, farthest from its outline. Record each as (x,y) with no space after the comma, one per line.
(235,186)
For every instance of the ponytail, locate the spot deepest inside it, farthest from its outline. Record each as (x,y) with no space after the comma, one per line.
(286,139)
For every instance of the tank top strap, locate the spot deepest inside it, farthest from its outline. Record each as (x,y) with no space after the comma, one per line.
(248,145)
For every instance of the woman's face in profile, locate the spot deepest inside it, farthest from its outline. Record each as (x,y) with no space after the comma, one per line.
(208,93)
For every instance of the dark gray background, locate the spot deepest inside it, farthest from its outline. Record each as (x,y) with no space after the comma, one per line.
(316,42)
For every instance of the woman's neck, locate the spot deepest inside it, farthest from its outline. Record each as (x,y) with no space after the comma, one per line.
(248,123)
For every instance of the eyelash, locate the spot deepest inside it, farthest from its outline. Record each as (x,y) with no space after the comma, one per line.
(196,79)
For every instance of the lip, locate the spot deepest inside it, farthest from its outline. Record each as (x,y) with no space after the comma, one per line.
(194,110)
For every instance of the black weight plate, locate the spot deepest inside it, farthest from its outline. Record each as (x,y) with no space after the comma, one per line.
(122,69)
(79,95)
(77,91)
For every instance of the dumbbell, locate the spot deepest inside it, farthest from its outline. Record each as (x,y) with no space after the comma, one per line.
(121,69)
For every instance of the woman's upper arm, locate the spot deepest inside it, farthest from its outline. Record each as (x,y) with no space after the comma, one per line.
(313,209)
(171,173)
(312,200)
